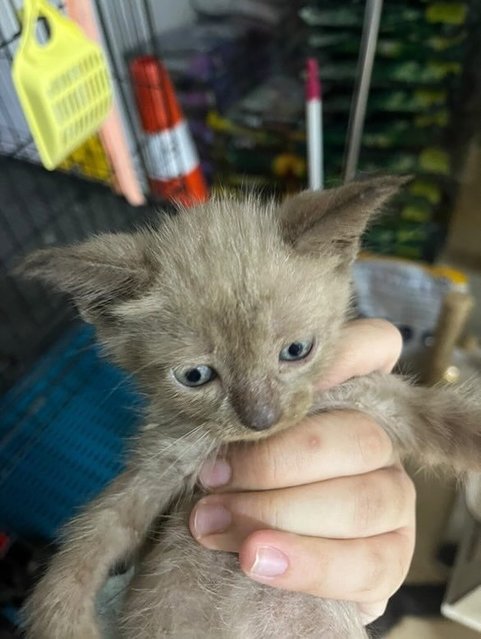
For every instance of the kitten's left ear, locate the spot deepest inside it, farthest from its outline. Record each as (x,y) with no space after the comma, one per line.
(335,219)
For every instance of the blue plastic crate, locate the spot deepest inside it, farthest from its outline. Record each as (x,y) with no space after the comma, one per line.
(63,432)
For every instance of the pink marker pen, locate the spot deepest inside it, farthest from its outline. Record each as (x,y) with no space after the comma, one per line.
(315,159)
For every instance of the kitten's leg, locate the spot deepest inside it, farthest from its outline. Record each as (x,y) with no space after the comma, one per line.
(63,603)
(112,528)
(439,426)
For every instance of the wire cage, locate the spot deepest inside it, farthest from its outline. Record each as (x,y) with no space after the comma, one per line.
(64,410)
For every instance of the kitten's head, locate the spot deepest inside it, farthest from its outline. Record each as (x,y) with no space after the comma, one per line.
(228,314)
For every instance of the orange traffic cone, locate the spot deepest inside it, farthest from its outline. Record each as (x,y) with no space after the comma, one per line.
(172,163)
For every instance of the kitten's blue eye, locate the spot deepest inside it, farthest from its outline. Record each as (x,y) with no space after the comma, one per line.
(296,350)
(197,376)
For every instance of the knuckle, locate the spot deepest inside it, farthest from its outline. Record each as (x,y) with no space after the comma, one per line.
(320,582)
(368,505)
(385,572)
(374,585)
(403,495)
(374,444)
(372,611)
(382,578)
(397,572)
(406,541)
(268,511)
(384,501)
(409,489)
(267,469)
(323,576)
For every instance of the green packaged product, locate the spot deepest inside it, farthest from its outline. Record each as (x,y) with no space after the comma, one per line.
(447,17)
(408,101)
(398,134)
(440,44)
(430,161)
(427,189)
(452,13)
(342,16)
(390,46)
(391,162)
(435,160)
(402,238)
(353,16)
(440,49)
(400,101)
(438,118)
(412,72)
(387,73)
(417,210)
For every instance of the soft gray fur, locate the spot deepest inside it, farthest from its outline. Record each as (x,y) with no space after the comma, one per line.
(228,284)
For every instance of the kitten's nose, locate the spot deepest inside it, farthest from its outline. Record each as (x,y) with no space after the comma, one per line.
(258,416)
(263,418)
(257,405)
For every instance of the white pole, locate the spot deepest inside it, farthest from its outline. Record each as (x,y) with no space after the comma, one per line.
(315,159)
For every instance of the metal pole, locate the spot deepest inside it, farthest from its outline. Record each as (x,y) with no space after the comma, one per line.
(357,116)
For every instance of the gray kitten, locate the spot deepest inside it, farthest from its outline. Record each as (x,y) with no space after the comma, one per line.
(228,315)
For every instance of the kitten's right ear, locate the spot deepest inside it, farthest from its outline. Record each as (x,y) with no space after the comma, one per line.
(96,273)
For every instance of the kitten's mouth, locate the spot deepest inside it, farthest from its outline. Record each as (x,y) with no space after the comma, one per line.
(233,429)
(302,404)
(278,428)
(250,435)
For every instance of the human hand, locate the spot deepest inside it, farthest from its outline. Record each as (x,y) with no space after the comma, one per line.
(325,500)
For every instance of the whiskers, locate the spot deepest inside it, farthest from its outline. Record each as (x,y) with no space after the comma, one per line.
(186,452)
(129,378)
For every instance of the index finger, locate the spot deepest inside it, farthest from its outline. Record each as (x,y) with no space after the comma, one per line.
(335,444)
(366,346)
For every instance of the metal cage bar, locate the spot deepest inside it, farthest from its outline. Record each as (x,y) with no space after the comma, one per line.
(39,208)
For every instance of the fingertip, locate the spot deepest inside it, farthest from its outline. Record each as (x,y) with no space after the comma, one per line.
(215,474)
(263,558)
(248,548)
(386,331)
(366,346)
(394,343)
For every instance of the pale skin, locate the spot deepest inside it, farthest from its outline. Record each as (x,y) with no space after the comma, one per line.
(324,508)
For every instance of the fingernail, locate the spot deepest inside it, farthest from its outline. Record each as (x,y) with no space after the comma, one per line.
(210,519)
(269,562)
(215,474)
